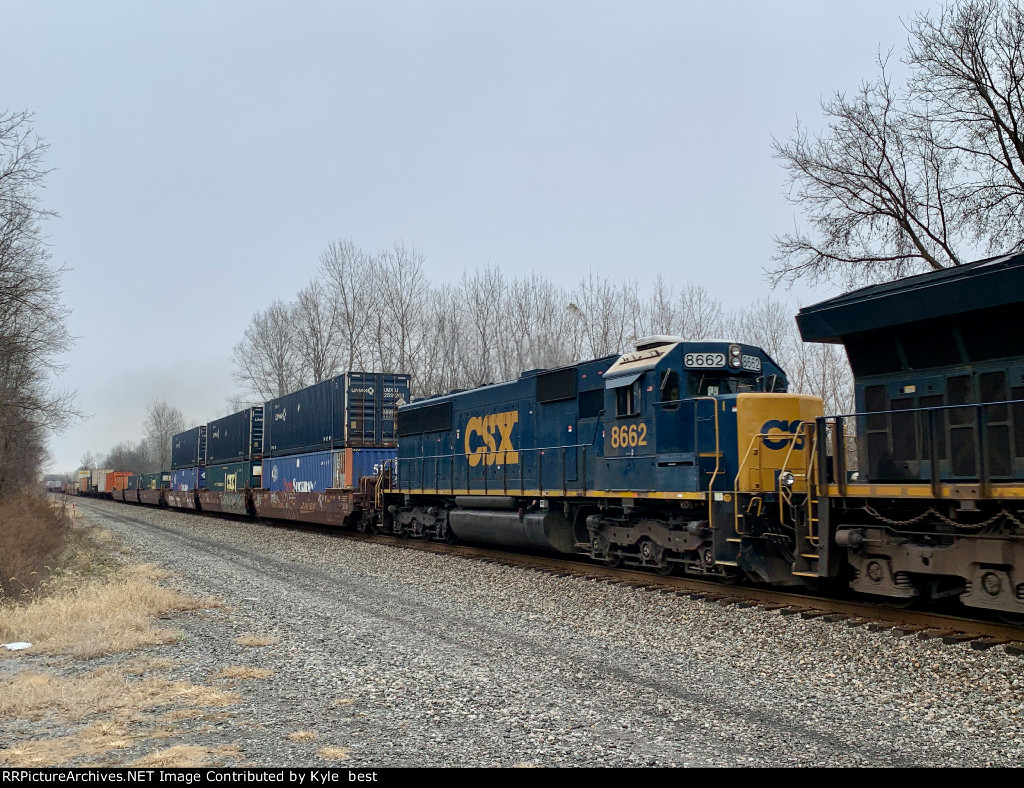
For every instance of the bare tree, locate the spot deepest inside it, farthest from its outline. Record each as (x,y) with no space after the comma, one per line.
(909,178)
(402,291)
(162,423)
(33,330)
(444,336)
(700,314)
(484,295)
(967,64)
(128,456)
(600,306)
(878,190)
(88,461)
(316,319)
(267,361)
(347,274)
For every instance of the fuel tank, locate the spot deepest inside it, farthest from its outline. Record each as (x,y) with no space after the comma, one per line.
(533,531)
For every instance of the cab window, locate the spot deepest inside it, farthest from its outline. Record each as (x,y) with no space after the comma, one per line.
(669,389)
(627,400)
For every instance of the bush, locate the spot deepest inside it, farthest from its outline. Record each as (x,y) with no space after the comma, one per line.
(32,536)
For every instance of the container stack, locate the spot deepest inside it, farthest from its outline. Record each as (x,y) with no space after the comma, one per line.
(188,456)
(329,435)
(234,451)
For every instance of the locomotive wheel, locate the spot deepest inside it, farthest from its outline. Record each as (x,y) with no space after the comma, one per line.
(612,561)
(363,526)
(665,570)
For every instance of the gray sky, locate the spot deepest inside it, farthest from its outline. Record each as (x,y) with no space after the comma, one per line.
(207,152)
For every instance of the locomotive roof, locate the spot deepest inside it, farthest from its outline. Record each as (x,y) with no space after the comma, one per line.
(996,282)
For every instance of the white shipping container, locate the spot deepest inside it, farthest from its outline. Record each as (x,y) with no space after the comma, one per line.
(99,480)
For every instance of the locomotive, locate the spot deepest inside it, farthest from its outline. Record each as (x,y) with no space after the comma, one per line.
(666,457)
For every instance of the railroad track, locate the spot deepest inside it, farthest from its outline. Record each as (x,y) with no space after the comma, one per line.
(951,629)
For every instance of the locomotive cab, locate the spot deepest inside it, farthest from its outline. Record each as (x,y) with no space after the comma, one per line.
(710,425)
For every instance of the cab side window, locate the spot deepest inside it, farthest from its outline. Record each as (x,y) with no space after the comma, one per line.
(627,400)
(669,389)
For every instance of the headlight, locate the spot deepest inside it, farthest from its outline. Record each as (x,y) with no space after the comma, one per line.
(786,479)
(735,356)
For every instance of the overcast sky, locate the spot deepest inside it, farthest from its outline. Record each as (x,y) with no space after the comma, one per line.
(205,154)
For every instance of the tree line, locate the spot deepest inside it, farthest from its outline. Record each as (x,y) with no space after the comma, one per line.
(381,313)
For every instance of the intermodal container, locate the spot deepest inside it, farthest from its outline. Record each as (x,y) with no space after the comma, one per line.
(188,448)
(84,480)
(133,482)
(155,481)
(381,392)
(121,480)
(236,437)
(185,479)
(103,480)
(363,462)
(233,476)
(352,410)
(312,472)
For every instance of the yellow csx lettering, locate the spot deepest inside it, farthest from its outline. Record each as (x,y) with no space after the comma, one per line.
(483,428)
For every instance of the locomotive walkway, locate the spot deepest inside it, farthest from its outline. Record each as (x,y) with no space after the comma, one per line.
(407,657)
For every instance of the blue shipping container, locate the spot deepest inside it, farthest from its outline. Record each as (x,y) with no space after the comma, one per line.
(185,479)
(351,410)
(188,448)
(236,437)
(313,472)
(366,462)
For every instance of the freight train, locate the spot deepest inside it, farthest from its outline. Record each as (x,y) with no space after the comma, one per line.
(694,457)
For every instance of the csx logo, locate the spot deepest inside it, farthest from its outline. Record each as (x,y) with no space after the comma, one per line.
(489,438)
(791,431)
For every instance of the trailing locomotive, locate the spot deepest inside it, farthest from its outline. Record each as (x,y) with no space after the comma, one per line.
(920,493)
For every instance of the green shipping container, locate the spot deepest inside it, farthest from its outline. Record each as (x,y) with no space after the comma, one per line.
(233,476)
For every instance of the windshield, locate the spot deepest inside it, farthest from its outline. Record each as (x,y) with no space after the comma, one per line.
(711,384)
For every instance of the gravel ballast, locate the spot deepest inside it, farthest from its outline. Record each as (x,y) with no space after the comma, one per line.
(408,658)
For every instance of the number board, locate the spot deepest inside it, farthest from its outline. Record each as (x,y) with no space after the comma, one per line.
(704,360)
(753,363)
(623,437)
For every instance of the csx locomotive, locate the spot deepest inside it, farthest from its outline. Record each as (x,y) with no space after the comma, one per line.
(665,457)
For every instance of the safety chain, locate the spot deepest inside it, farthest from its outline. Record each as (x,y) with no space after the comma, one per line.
(942,518)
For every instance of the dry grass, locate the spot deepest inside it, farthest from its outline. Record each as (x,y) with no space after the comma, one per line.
(32,534)
(178,756)
(343,702)
(92,741)
(333,753)
(243,672)
(256,641)
(303,736)
(97,618)
(187,755)
(33,695)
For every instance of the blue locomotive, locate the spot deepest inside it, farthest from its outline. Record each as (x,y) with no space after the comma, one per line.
(669,456)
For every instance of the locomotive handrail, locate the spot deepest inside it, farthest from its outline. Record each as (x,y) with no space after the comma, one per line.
(928,429)
(538,451)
